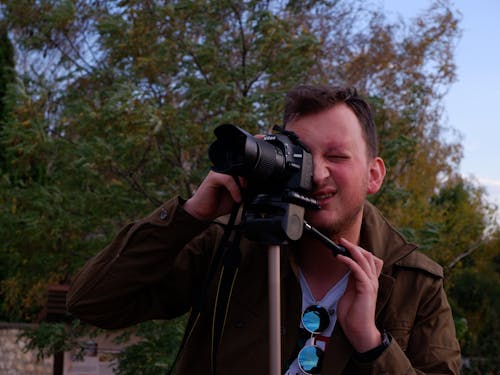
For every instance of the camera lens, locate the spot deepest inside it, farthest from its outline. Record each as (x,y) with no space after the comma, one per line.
(237,152)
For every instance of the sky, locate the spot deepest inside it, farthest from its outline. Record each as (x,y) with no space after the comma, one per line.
(472,105)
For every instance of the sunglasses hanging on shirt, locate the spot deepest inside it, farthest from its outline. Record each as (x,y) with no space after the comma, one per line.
(315,320)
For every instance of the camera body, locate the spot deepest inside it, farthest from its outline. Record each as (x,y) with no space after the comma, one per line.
(279,171)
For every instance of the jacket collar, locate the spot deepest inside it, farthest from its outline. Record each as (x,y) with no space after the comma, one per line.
(380,237)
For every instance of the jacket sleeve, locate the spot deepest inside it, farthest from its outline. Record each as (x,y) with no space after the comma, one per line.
(149,271)
(432,347)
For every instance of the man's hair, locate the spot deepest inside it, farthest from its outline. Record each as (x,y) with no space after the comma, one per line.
(307,100)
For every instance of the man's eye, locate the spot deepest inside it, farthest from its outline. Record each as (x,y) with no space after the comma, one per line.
(337,157)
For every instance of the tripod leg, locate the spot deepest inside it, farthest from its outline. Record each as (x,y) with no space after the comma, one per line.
(274,310)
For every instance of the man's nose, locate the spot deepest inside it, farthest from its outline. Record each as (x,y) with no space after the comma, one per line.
(320,170)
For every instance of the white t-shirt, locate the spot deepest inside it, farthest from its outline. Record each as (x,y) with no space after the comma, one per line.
(329,302)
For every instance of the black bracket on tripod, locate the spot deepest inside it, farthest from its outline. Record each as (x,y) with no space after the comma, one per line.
(274,220)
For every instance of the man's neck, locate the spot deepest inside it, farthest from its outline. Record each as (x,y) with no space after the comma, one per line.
(318,264)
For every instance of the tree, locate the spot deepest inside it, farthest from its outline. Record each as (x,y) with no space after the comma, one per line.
(475,296)
(119,112)
(7,76)
(6,71)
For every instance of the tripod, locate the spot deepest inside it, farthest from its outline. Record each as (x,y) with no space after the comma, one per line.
(274,259)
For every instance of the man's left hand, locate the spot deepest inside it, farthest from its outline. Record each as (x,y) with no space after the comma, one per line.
(356,308)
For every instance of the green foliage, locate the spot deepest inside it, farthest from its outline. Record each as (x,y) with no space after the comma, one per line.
(114,106)
(6,73)
(51,338)
(155,353)
(475,297)
(6,78)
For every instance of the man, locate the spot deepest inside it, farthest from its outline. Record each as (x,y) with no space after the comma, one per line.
(382,311)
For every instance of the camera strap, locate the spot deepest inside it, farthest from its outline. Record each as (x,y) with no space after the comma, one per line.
(227,259)
(227,278)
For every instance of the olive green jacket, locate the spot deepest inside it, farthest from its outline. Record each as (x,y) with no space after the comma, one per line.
(155,266)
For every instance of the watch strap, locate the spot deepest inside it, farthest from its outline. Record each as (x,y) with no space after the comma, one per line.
(374,353)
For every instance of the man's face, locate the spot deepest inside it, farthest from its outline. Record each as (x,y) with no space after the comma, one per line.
(342,170)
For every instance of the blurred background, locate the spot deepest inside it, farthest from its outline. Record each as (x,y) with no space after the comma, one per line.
(107,109)
(470,105)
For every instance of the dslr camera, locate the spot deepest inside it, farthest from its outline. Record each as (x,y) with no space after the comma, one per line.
(278,170)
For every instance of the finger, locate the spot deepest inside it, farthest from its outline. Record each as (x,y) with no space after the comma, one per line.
(359,255)
(234,189)
(374,264)
(357,271)
(365,267)
(243,182)
(219,182)
(379,264)
(371,261)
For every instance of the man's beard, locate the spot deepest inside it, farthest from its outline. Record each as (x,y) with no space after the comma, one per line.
(339,226)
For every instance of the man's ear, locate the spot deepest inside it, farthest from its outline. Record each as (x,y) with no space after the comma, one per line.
(376,175)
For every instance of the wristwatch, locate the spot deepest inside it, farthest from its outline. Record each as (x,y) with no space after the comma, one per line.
(374,353)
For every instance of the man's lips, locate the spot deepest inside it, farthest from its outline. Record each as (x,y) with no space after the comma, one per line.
(323,197)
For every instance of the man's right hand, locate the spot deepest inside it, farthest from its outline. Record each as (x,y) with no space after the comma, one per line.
(214,197)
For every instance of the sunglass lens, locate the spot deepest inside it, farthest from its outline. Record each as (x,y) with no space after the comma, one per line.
(309,359)
(315,318)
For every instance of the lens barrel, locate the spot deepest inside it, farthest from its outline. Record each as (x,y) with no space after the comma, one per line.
(237,152)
